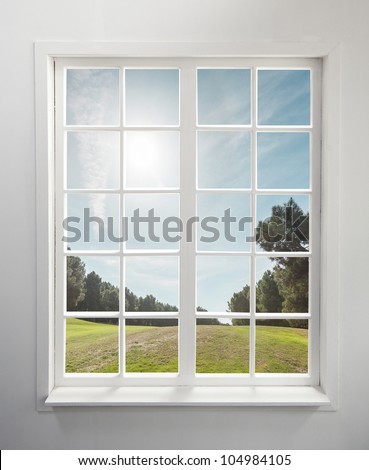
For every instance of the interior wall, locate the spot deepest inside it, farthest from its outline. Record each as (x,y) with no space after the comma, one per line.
(21,24)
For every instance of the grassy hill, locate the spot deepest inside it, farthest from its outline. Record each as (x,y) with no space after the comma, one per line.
(93,347)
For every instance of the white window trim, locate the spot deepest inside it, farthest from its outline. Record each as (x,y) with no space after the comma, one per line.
(323,396)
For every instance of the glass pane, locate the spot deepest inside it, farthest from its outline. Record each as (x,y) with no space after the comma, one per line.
(93,160)
(281,346)
(153,221)
(92,97)
(282,223)
(95,223)
(223,96)
(224,222)
(151,345)
(151,97)
(92,283)
(282,285)
(152,284)
(283,160)
(223,284)
(152,159)
(223,159)
(92,345)
(222,346)
(284,97)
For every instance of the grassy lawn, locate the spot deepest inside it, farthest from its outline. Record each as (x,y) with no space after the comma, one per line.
(93,347)
(222,349)
(281,350)
(151,349)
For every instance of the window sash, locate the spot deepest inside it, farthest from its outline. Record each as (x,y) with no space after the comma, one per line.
(187,252)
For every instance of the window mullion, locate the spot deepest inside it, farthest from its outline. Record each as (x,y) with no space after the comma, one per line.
(187,341)
(122,328)
(253,223)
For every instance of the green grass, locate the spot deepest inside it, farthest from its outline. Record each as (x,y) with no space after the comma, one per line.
(280,349)
(151,349)
(93,347)
(222,349)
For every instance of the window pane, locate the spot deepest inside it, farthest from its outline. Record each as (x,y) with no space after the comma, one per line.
(281,346)
(92,345)
(93,160)
(92,283)
(223,96)
(282,285)
(222,346)
(152,159)
(282,222)
(224,222)
(223,159)
(223,284)
(284,97)
(283,160)
(152,284)
(155,224)
(151,97)
(151,345)
(92,97)
(96,223)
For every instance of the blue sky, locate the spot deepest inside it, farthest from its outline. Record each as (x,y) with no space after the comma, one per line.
(224,96)
(284,97)
(215,205)
(218,277)
(223,159)
(92,97)
(156,275)
(100,205)
(283,160)
(152,161)
(152,97)
(93,160)
(164,205)
(107,267)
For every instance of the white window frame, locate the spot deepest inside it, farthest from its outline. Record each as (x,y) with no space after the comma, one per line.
(268,390)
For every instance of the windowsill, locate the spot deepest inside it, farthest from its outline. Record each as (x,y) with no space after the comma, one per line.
(297,396)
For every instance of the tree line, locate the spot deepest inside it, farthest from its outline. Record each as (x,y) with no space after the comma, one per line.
(90,293)
(283,289)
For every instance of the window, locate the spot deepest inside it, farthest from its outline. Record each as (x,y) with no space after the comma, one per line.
(187,223)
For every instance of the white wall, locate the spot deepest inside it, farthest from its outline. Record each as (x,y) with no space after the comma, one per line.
(21,23)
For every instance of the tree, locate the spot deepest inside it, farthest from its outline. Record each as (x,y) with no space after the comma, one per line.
(90,293)
(292,277)
(268,297)
(240,321)
(131,301)
(288,230)
(200,309)
(109,298)
(208,321)
(76,274)
(240,301)
(92,301)
(147,304)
